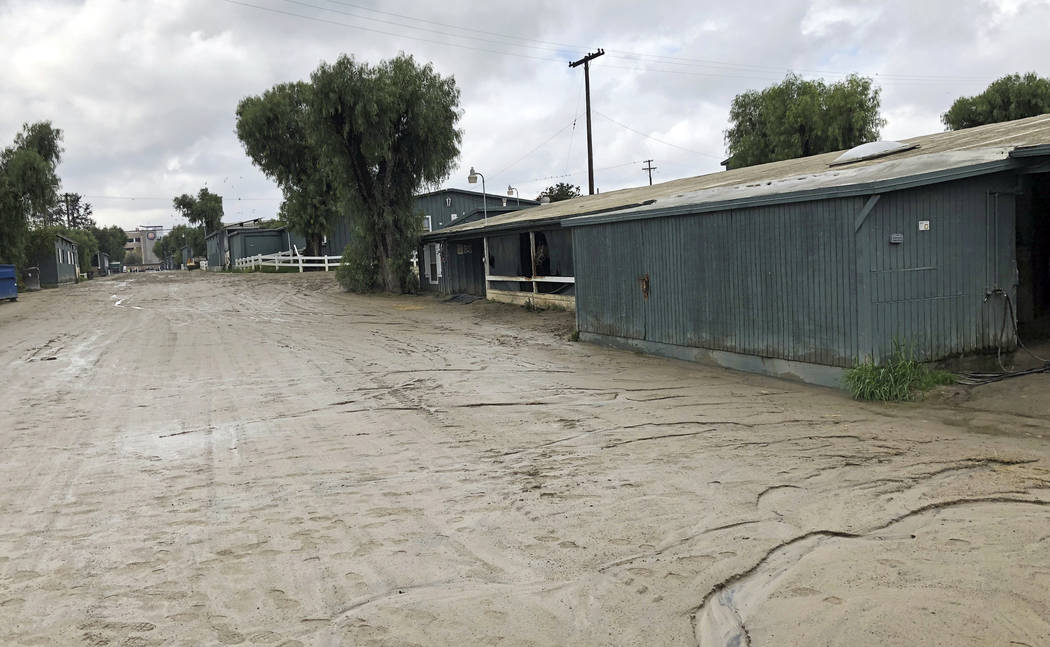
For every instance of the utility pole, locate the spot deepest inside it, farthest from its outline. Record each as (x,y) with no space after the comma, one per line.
(649,167)
(586,61)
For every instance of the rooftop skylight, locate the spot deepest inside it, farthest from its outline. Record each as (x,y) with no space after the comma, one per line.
(871,150)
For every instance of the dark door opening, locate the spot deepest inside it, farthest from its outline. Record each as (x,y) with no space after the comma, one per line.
(1033,258)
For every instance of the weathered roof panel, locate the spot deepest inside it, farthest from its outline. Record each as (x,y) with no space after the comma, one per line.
(938,157)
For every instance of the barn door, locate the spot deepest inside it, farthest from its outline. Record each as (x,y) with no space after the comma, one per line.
(611,281)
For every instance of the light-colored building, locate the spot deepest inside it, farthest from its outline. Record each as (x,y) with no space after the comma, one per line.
(142,240)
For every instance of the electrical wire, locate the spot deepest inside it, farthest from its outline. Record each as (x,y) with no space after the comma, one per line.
(979,378)
(385,33)
(729,69)
(168,199)
(658,141)
(635,56)
(511,165)
(582,171)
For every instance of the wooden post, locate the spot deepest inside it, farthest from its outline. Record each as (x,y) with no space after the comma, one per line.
(485,263)
(326,262)
(532,253)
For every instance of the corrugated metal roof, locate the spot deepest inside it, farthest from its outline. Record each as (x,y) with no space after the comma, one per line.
(938,157)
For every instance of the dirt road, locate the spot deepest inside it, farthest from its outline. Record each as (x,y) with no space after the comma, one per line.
(193,459)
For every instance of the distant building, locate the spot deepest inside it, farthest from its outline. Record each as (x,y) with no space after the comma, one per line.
(248,238)
(100,262)
(439,209)
(142,240)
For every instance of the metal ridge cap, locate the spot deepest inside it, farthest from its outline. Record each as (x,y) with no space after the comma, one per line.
(1031,150)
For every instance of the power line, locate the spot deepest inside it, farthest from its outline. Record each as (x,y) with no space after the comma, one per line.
(582,171)
(658,141)
(385,33)
(168,198)
(625,54)
(560,131)
(732,70)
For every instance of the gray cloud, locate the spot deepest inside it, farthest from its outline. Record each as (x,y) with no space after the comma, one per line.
(146,91)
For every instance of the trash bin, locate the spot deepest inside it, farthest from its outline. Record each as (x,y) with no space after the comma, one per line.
(8,285)
(31,278)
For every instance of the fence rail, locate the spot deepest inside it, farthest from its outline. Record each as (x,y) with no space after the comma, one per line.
(286,259)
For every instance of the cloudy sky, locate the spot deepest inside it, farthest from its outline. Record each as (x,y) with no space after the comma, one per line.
(145,90)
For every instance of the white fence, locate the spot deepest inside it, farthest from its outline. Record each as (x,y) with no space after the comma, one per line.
(286,259)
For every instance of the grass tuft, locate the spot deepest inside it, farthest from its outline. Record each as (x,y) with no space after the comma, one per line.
(901,377)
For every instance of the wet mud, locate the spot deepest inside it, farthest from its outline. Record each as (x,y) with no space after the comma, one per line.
(264,460)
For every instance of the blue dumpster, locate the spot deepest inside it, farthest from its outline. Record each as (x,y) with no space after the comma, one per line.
(8,286)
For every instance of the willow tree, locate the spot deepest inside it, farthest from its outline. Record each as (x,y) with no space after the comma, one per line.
(385,130)
(274,131)
(798,118)
(28,185)
(1011,97)
(203,210)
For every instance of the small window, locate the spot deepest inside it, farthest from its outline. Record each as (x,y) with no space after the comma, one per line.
(448,201)
(138,240)
(427,224)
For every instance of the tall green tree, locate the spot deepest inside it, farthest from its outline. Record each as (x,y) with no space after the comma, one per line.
(1011,97)
(560,191)
(71,210)
(111,240)
(87,245)
(387,130)
(274,131)
(204,209)
(41,242)
(164,247)
(28,185)
(180,236)
(798,118)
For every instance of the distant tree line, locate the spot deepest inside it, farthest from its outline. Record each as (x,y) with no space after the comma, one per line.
(32,211)
(797,117)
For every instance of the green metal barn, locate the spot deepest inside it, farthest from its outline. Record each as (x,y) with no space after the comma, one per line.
(797,268)
(805,266)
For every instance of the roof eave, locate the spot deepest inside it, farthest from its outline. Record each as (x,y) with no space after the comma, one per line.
(1037,150)
(823,193)
(478,232)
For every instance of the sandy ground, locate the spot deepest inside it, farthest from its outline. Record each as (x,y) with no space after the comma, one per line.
(193,459)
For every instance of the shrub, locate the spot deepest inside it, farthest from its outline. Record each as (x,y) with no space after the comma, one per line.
(900,377)
(357,271)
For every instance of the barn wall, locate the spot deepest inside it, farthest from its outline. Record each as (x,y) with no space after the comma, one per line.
(936,291)
(814,282)
(772,281)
